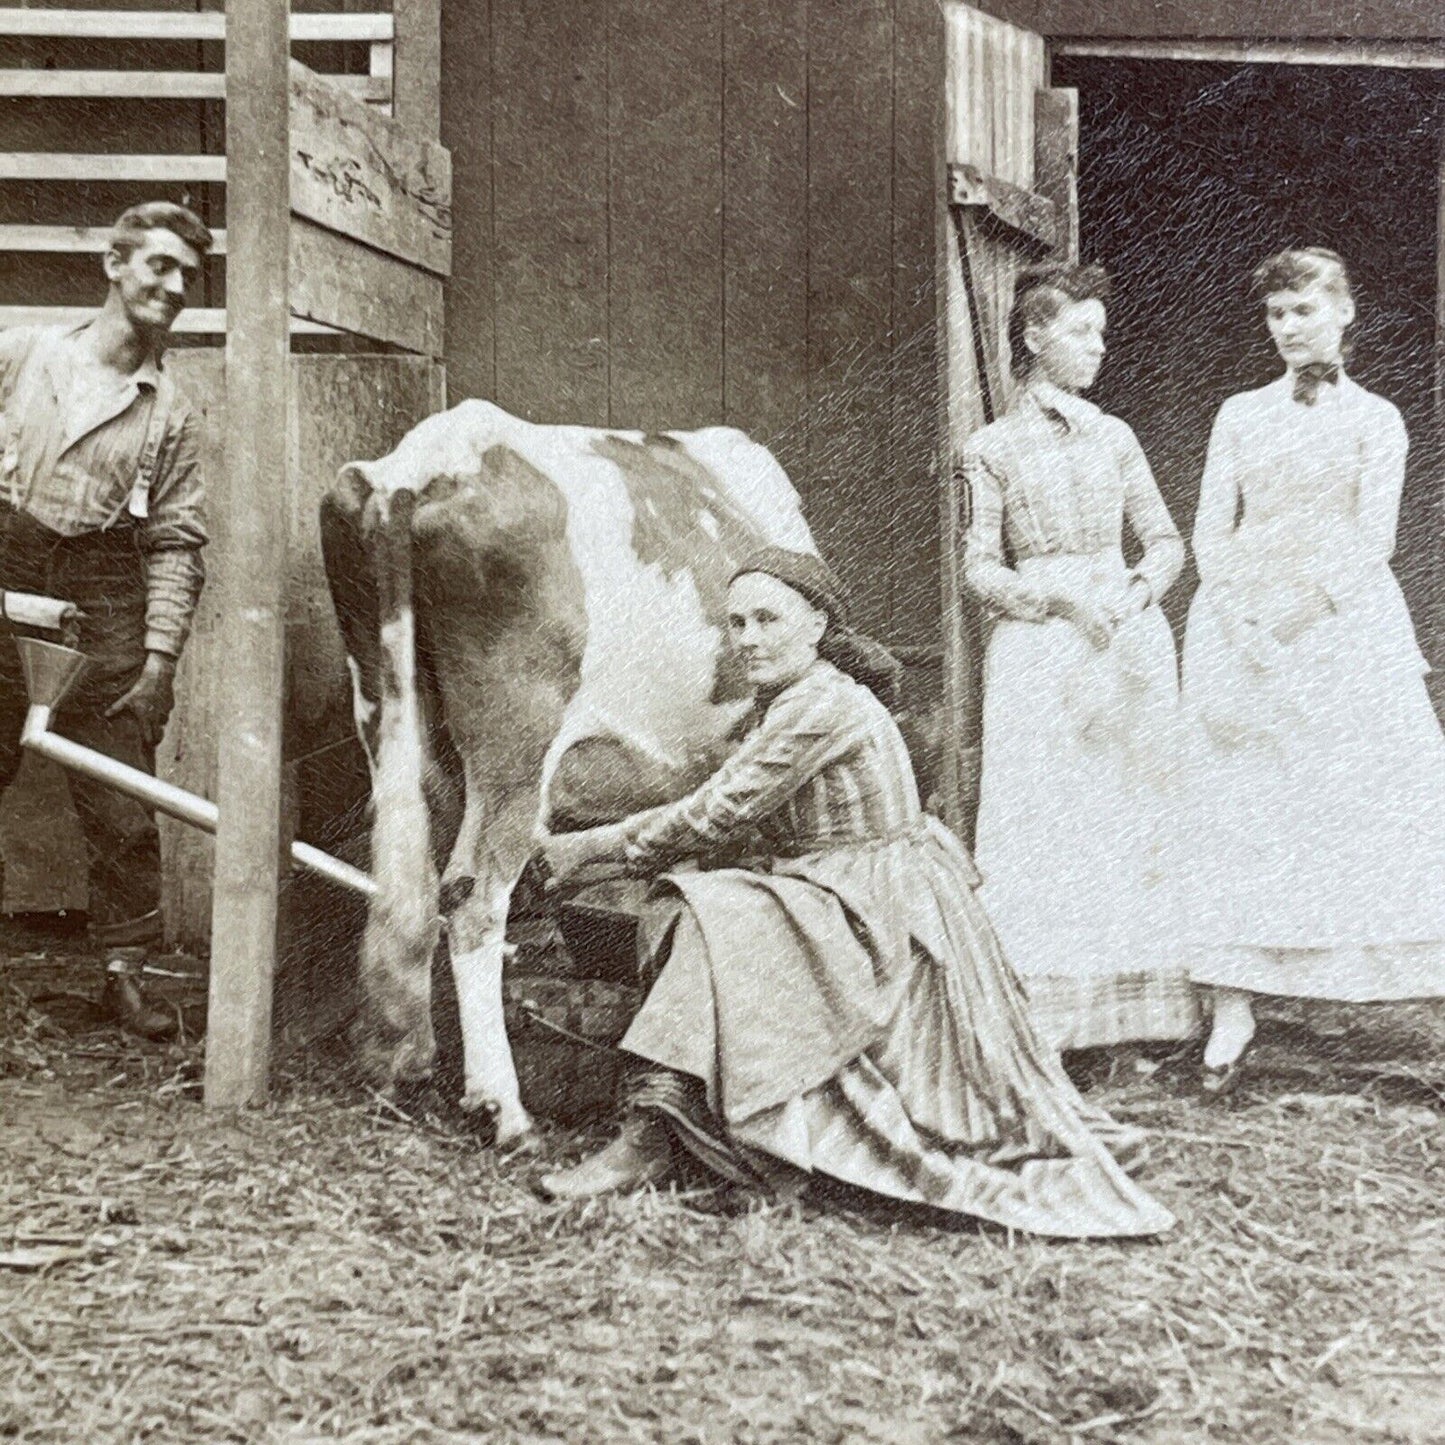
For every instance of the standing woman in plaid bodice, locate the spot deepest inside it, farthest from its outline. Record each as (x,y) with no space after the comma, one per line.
(827,995)
(1080,686)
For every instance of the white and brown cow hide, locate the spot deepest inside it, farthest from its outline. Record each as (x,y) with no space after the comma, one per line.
(549,603)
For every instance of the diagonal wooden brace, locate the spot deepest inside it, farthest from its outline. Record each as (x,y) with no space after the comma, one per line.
(1026,218)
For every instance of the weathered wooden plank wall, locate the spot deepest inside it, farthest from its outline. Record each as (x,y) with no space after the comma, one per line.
(341,408)
(674,213)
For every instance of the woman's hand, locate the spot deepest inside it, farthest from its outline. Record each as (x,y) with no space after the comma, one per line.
(1138,598)
(568,855)
(1097,622)
(1306,606)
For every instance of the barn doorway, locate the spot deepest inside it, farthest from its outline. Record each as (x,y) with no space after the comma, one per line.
(1189,175)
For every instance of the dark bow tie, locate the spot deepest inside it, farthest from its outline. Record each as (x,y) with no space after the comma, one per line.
(1309,379)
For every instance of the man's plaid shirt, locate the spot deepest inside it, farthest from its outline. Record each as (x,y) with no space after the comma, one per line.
(71,451)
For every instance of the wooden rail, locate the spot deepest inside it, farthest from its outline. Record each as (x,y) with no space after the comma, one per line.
(156,85)
(47,23)
(73,240)
(196,321)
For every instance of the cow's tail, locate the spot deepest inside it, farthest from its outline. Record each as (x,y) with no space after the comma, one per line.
(394,1038)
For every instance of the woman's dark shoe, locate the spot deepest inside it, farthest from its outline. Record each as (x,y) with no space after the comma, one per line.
(640,1154)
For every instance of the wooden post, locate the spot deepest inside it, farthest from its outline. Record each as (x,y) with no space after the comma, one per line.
(258,206)
(417,66)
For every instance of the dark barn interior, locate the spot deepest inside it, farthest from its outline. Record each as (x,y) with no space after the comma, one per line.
(1190,174)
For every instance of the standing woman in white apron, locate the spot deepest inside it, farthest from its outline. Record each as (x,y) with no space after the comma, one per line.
(1317,824)
(1080,686)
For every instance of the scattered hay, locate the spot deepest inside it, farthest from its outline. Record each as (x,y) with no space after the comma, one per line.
(341,1267)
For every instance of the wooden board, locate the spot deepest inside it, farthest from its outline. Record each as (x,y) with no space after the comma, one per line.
(1056,163)
(1263,52)
(359,172)
(338,282)
(765,226)
(153,84)
(917,420)
(44,21)
(416,67)
(82,240)
(467,120)
(665,197)
(850,321)
(1026,218)
(194,321)
(549,218)
(66,166)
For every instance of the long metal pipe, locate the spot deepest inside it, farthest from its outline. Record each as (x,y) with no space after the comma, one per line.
(166,797)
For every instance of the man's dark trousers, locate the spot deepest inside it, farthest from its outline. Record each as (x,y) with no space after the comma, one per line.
(103,573)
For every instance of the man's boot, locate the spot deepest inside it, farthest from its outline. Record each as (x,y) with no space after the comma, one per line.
(123,997)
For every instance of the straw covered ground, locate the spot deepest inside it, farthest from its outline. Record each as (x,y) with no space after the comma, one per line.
(331,1268)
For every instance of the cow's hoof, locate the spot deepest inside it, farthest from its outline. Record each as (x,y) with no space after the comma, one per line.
(511,1126)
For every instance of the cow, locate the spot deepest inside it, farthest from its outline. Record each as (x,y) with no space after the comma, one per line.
(543,607)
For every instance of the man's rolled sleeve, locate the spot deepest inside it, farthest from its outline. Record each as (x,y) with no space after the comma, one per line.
(173,537)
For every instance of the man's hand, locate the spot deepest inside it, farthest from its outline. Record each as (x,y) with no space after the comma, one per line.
(150,697)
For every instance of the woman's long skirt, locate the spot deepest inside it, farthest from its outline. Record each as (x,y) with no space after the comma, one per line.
(1075,806)
(1316,817)
(916,1075)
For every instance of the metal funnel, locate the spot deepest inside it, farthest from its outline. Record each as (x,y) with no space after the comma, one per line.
(50,670)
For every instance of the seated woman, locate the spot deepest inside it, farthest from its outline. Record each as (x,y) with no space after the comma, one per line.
(840,1006)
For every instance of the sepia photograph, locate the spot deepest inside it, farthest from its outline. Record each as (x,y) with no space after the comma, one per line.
(719,722)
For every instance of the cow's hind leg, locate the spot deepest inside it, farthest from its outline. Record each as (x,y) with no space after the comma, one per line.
(497,838)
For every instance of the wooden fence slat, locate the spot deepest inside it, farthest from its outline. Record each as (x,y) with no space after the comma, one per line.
(79,239)
(154,85)
(338,282)
(765,226)
(549,212)
(194,321)
(179,25)
(66,166)
(361,173)
(665,204)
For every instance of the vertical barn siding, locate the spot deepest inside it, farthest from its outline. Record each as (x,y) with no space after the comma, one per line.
(765,225)
(850,292)
(549,222)
(664,173)
(715,210)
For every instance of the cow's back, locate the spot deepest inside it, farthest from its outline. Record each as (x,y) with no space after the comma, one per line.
(656,525)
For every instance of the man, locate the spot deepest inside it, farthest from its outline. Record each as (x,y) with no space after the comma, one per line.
(101,504)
